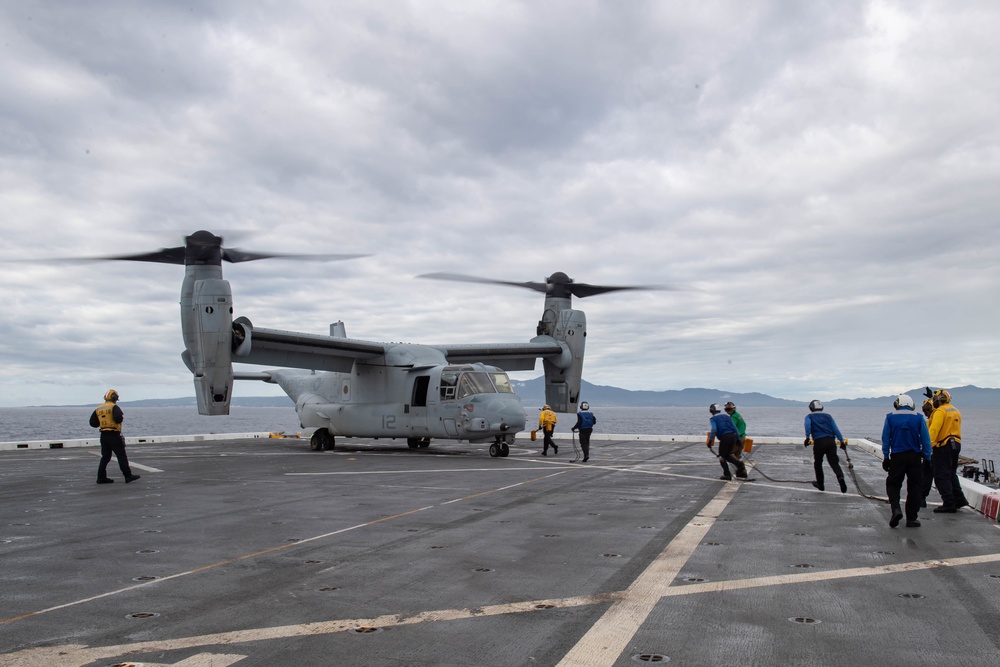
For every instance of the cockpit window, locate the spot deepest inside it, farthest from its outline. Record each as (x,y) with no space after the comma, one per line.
(462,383)
(449,381)
(502,383)
(475,382)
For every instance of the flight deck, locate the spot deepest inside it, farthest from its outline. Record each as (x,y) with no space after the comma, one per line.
(263,552)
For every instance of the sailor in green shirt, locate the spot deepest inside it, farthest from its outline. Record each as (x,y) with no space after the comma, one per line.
(741,427)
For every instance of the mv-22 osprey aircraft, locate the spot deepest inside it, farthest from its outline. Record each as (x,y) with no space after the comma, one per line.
(349,387)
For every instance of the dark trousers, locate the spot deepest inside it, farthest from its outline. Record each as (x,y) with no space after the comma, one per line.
(826,447)
(727,443)
(738,449)
(547,440)
(908,465)
(928,479)
(112,442)
(585,441)
(944,461)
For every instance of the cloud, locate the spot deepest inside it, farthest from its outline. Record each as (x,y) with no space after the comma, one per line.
(823,173)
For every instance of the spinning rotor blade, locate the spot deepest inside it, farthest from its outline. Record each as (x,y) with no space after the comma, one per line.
(204,247)
(557,285)
(462,278)
(235,255)
(162,256)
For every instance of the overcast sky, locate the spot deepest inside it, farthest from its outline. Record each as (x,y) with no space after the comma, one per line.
(826,174)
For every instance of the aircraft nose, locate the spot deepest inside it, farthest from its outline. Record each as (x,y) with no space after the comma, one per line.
(507,412)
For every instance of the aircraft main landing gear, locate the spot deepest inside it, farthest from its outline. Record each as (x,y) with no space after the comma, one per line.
(423,443)
(321,441)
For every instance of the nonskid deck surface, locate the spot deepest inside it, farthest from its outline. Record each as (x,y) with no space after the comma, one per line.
(263,552)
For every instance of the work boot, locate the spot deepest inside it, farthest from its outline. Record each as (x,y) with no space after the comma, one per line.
(843,484)
(945,509)
(897,516)
(131,478)
(555,450)
(742,474)
(818,486)
(913,524)
(586,458)
(728,478)
(105,480)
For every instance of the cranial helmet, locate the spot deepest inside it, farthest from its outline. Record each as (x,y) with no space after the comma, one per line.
(941,397)
(546,407)
(585,405)
(815,406)
(902,402)
(730,407)
(714,408)
(928,407)
(111,395)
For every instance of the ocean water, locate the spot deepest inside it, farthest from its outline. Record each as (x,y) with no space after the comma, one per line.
(980,430)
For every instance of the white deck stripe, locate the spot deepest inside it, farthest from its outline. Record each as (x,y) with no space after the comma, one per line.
(612,633)
(76,655)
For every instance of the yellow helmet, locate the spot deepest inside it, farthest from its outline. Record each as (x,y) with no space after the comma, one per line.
(941,396)
(546,408)
(111,395)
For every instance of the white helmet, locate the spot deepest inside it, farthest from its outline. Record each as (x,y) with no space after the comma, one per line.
(714,408)
(585,405)
(903,402)
(815,406)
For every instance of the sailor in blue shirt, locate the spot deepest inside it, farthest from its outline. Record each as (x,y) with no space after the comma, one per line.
(823,434)
(906,444)
(585,421)
(725,430)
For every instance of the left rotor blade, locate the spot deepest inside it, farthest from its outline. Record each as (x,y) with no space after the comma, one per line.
(463,278)
(162,256)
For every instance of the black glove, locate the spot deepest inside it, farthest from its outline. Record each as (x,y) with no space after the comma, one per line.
(885,465)
(805,443)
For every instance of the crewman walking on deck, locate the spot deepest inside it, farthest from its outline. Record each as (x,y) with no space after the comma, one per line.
(547,423)
(109,417)
(946,445)
(741,428)
(906,444)
(724,429)
(823,434)
(585,421)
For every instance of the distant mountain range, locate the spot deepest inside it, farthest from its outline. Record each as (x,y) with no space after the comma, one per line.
(532,392)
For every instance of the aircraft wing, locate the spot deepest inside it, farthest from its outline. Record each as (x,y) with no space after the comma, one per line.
(291,349)
(508,356)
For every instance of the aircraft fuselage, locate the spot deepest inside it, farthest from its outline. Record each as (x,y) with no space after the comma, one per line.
(472,402)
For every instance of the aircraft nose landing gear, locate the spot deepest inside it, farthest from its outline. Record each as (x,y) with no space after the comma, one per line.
(500,448)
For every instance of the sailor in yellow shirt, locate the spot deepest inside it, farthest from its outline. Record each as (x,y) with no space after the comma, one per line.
(946,444)
(109,417)
(547,423)
(927,480)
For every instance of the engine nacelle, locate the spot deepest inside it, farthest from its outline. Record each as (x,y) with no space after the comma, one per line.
(208,332)
(563,375)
